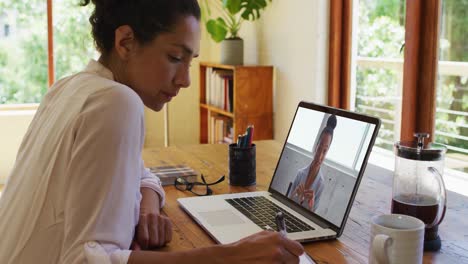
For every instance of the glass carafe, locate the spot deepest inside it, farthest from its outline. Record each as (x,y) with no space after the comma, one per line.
(418,186)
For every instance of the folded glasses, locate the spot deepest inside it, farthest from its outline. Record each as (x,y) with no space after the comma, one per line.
(198,188)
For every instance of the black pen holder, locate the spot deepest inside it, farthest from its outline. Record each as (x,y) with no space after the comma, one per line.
(242,168)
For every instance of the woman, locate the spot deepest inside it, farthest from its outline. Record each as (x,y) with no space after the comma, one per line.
(79,192)
(308,184)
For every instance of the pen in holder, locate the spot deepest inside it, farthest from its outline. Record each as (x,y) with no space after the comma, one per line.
(242,168)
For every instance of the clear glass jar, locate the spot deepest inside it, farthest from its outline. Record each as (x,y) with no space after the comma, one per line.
(418,186)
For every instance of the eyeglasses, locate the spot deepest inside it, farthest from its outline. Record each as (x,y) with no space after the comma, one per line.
(198,188)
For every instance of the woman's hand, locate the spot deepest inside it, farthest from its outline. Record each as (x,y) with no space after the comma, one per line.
(265,247)
(299,192)
(309,196)
(304,194)
(153,230)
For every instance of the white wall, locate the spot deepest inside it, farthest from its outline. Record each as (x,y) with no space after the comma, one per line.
(13,126)
(293,37)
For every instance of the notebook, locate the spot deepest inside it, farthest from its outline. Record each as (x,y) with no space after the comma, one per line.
(314,184)
(168,174)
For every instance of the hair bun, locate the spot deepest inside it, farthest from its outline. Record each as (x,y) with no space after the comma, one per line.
(331,122)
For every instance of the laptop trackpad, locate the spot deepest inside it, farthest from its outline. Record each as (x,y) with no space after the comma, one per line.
(221,217)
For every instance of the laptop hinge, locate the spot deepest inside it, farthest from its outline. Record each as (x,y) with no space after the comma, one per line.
(303,211)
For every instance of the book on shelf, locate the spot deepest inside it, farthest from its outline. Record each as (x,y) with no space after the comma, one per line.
(219,88)
(219,129)
(250,88)
(169,173)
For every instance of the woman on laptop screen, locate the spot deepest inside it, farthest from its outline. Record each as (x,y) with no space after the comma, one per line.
(308,184)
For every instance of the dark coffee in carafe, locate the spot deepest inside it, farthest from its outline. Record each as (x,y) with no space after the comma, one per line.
(420,206)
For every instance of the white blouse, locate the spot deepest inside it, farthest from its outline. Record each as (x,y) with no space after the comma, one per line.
(74,193)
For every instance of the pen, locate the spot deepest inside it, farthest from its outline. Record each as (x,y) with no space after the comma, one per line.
(280,224)
(244,139)
(251,135)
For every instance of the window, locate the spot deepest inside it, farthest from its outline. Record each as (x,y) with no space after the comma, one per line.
(24,48)
(395,73)
(344,151)
(377,79)
(451,123)
(302,134)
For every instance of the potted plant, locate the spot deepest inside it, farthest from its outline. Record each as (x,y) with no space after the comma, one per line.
(225,28)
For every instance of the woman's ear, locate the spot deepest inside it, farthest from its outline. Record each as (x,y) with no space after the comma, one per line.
(125,41)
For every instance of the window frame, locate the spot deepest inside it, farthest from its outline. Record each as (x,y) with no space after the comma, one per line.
(50,44)
(419,69)
(339,53)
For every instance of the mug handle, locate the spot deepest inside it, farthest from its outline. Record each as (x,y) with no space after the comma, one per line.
(380,245)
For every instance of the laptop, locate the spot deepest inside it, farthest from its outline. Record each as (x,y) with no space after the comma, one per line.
(314,184)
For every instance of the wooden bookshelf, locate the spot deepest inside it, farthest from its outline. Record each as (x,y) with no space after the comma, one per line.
(215,109)
(251,99)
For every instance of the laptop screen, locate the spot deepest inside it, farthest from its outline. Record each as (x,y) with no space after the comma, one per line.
(321,161)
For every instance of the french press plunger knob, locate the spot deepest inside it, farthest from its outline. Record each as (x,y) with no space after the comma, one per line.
(421,137)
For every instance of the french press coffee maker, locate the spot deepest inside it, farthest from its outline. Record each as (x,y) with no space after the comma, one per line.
(418,186)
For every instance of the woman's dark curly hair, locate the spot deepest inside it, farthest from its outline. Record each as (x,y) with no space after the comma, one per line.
(147,18)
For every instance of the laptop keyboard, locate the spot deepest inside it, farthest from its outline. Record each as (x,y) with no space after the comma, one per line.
(263,211)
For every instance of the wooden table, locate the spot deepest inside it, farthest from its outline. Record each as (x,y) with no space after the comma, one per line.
(374,197)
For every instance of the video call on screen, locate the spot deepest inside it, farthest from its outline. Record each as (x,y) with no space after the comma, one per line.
(321,161)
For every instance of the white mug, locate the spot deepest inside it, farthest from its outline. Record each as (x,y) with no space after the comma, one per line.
(396,238)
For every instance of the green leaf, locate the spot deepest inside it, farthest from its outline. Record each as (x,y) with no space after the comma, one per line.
(251,8)
(233,6)
(218,29)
